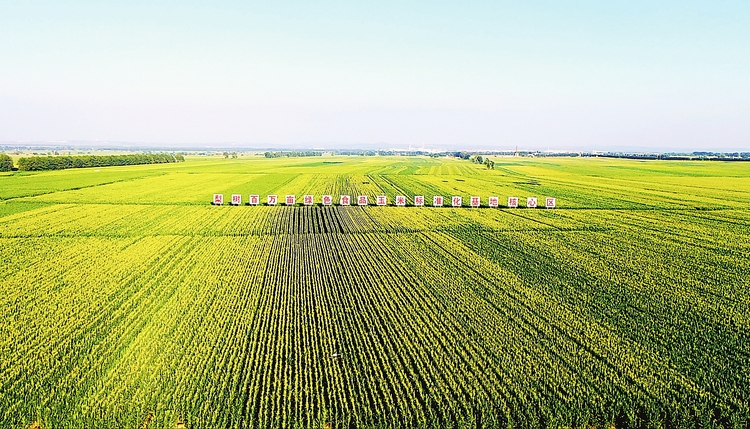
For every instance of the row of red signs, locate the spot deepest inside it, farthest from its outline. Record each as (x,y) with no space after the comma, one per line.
(382,200)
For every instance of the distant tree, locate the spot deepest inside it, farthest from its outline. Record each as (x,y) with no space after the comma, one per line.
(476,159)
(179,157)
(291,154)
(226,154)
(234,155)
(6,162)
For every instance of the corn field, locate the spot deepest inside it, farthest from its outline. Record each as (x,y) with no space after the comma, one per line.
(129,301)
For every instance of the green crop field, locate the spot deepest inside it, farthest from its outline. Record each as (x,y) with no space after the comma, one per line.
(128,301)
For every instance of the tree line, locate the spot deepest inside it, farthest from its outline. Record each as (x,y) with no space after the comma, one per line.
(291,154)
(37,163)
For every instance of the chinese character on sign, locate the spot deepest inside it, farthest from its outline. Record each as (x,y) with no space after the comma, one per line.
(419,200)
(550,203)
(475,201)
(327,200)
(272,200)
(382,200)
(493,202)
(362,200)
(254,199)
(236,199)
(400,200)
(456,201)
(219,199)
(290,200)
(345,200)
(308,200)
(437,201)
(512,202)
(531,202)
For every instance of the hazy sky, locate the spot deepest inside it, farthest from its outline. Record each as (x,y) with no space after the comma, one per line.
(559,74)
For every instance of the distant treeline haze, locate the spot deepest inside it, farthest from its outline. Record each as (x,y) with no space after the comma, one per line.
(36,163)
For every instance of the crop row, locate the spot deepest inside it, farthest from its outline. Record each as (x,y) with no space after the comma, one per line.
(372,317)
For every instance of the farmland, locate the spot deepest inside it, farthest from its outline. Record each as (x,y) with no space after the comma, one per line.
(129,301)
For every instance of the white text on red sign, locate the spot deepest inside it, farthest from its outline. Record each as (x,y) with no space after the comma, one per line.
(382,200)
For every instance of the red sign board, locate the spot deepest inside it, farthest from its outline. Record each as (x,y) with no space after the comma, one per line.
(382,200)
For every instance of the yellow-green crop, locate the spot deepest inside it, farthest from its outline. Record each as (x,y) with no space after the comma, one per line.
(127,300)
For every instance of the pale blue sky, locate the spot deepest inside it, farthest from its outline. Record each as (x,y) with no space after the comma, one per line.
(562,75)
